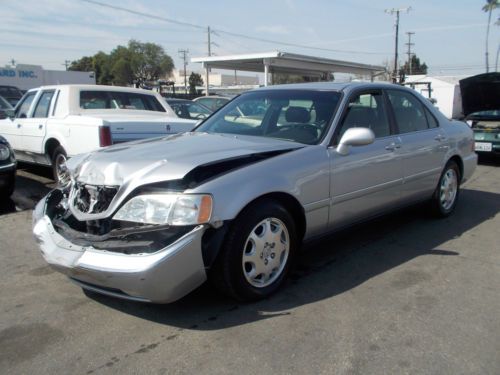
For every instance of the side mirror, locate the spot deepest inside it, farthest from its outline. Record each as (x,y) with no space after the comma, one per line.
(355,137)
(6,113)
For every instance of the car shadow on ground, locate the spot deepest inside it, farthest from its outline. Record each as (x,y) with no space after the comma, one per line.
(28,190)
(329,267)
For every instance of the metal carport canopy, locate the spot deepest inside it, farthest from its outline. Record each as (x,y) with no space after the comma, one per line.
(283,62)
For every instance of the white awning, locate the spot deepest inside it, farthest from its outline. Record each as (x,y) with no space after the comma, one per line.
(287,63)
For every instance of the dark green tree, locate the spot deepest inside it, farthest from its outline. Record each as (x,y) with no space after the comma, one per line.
(136,63)
(149,61)
(194,80)
(416,67)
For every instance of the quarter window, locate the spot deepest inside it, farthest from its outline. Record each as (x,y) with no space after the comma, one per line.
(43,105)
(408,111)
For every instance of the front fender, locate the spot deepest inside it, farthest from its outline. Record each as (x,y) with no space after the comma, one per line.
(303,174)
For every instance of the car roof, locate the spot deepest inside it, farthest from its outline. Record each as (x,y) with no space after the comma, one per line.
(333,86)
(97,88)
(177,100)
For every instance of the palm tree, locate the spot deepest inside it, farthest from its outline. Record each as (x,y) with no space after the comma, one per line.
(488,7)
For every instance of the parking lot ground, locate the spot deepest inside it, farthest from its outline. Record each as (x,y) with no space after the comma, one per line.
(402,294)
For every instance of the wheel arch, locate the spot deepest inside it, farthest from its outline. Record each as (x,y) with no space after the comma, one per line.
(457,159)
(214,238)
(50,145)
(290,203)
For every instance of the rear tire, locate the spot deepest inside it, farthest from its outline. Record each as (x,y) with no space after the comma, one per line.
(257,253)
(59,171)
(445,196)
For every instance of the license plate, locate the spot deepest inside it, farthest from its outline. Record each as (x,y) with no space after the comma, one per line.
(482,146)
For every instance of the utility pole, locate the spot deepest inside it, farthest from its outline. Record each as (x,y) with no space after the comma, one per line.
(183,55)
(66,63)
(396,24)
(409,44)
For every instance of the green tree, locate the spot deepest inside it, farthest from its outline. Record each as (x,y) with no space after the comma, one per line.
(194,80)
(416,67)
(85,64)
(489,7)
(136,63)
(149,61)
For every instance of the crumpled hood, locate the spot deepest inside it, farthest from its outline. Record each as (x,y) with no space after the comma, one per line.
(480,93)
(168,158)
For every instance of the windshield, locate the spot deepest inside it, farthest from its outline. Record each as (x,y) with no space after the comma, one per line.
(4,104)
(295,115)
(494,114)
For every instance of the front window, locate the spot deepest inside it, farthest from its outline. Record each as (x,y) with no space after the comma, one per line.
(119,100)
(301,116)
(23,108)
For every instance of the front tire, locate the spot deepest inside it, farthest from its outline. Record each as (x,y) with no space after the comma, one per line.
(257,253)
(445,197)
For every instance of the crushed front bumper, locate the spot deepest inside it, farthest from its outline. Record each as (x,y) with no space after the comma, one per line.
(160,277)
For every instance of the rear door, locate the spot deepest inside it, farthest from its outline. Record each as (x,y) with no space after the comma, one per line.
(367,180)
(423,144)
(35,126)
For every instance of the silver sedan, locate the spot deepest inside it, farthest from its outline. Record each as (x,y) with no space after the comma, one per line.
(233,200)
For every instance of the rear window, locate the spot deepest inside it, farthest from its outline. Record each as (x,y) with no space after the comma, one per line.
(119,100)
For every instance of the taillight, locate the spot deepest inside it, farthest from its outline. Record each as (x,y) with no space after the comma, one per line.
(104,136)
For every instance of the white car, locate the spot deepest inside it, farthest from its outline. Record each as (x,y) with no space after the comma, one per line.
(52,123)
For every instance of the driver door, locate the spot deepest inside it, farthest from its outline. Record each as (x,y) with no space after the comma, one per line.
(368,180)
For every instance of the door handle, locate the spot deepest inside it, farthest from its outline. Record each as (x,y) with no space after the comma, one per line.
(392,146)
(440,138)
(40,126)
(19,126)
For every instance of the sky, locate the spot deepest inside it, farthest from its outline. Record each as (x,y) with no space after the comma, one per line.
(449,34)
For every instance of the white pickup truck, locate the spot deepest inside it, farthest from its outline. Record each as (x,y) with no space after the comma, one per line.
(52,123)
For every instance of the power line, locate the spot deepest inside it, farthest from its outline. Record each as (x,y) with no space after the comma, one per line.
(264,40)
(145,14)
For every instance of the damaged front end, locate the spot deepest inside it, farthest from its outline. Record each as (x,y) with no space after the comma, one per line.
(106,234)
(142,261)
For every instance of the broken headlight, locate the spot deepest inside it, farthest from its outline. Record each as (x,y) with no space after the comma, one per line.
(171,209)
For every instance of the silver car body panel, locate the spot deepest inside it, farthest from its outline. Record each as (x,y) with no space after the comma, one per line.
(333,190)
(162,277)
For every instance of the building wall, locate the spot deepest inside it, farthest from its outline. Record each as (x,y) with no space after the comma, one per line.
(26,77)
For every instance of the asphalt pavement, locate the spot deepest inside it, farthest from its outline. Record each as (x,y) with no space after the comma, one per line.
(404,294)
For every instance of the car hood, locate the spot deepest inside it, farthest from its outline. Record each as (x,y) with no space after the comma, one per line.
(480,93)
(169,158)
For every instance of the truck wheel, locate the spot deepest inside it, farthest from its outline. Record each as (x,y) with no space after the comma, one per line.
(59,170)
(257,253)
(445,196)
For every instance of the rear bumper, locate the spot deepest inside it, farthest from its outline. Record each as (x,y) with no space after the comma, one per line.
(160,277)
